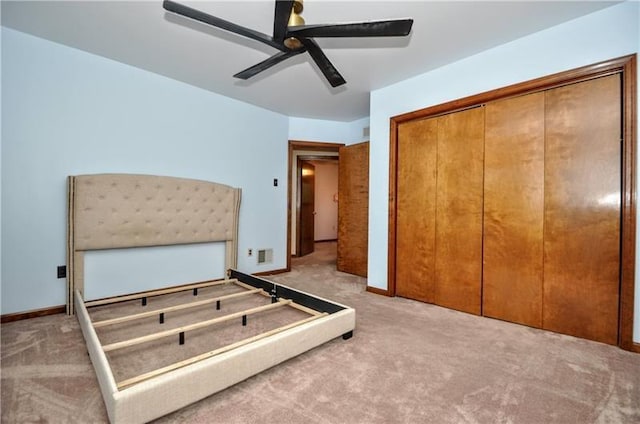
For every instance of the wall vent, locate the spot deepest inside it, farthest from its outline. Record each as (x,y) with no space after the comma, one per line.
(365,132)
(265,256)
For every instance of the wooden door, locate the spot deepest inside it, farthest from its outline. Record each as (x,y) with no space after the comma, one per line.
(582,209)
(458,264)
(306,213)
(353,209)
(514,210)
(416,209)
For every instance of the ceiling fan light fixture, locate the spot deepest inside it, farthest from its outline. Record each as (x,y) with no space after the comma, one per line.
(292,43)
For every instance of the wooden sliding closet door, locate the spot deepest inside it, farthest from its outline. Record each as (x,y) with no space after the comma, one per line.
(582,209)
(416,209)
(458,282)
(514,209)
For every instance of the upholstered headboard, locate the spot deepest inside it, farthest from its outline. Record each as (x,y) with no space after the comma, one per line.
(108,211)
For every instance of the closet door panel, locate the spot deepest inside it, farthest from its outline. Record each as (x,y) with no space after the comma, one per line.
(459,210)
(514,210)
(415,215)
(582,209)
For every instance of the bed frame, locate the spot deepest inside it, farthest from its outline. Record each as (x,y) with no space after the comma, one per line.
(109,211)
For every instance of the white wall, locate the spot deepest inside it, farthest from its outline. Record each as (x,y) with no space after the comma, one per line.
(603,35)
(303,129)
(69,112)
(326,204)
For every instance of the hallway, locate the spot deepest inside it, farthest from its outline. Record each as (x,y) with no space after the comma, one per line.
(324,253)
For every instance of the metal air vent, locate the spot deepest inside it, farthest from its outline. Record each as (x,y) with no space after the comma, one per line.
(265,256)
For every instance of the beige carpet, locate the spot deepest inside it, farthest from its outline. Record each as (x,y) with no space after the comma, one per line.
(408,362)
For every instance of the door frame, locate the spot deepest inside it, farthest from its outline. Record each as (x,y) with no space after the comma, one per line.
(626,67)
(296,147)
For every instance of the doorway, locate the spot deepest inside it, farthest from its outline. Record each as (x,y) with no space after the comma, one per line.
(299,152)
(348,201)
(316,202)
(306,210)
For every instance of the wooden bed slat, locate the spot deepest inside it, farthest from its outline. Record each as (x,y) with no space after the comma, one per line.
(304,308)
(155,312)
(174,366)
(151,293)
(292,304)
(203,324)
(249,286)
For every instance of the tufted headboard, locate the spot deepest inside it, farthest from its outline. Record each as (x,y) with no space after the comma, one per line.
(109,211)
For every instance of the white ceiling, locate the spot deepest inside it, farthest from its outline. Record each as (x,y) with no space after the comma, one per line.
(144,35)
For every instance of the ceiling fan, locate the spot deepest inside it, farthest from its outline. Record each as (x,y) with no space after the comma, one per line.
(292,37)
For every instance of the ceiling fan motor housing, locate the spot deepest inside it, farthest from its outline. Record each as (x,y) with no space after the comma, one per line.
(295,20)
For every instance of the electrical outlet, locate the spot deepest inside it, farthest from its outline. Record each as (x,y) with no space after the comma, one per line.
(62,271)
(250,252)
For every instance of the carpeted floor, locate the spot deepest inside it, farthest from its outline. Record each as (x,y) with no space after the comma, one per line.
(408,362)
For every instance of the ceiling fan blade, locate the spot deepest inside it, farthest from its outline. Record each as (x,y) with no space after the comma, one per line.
(391,28)
(330,72)
(197,15)
(266,64)
(281,19)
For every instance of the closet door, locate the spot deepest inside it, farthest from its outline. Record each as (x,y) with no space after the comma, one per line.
(416,209)
(582,209)
(514,209)
(458,282)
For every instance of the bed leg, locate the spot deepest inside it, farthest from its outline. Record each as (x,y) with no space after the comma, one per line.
(195,292)
(347,336)
(144,301)
(161,317)
(244,320)
(181,341)
(218,305)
